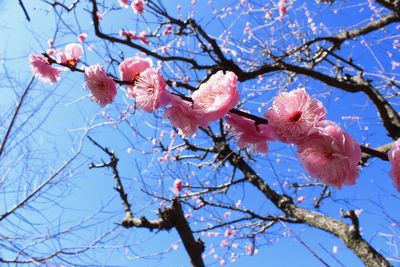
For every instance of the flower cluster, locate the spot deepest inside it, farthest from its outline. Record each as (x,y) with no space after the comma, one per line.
(327,152)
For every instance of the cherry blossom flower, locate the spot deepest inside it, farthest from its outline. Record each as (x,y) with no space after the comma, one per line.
(249,249)
(248,133)
(73,51)
(150,90)
(102,87)
(182,116)
(177,186)
(99,16)
(71,54)
(42,69)
(394,158)
(330,154)
(82,37)
(124,3)
(216,97)
(293,114)
(138,6)
(130,69)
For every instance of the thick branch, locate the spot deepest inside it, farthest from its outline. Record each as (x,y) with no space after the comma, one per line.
(347,233)
(170,217)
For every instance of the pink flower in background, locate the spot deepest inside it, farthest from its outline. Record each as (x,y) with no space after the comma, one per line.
(124,3)
(138,6)
(182,116)
(82,37)
(216,97)
(150,90)
(293,114)
(394,158)
(177,186)
(330,154)
(248,134)
(71,55)
(42,69)
(102,87)
(73,51)
(129,70)
(99,16)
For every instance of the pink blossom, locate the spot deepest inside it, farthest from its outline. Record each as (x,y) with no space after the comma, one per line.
(124,3)
(216,97)
(82,37)
(182,116)
(248,133)
(73,51)
(224,243)
(177,186)
(301,199)
(168,29)
(249,249)
(134,36)
(130,69)
(99,16)
(71,55)
(394,158)
(138,6)
(42,69)
(150,90)
(293,114)
(330,154)
(102,87)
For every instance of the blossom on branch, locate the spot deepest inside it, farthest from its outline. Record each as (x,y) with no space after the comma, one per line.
(102,87)
(71,54)
(182,116)
(42,69)
(124,3)
(138,6)
(216,97)
(330,154)
(248,133)
(394,158)
(177,186)
(82,37)
(150,90)
(293,114)
(130,69)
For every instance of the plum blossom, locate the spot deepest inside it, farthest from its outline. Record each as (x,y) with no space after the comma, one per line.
(82,37)
(177,186)
(394,158)
(330,154)
(293,114)
(182,116)
(138,6)
(73,51)
(130,69)
(124,3)
(216,97)
(248,133)
(71,54)
(142,36)
(42,69)
(150,90)
(102,87)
